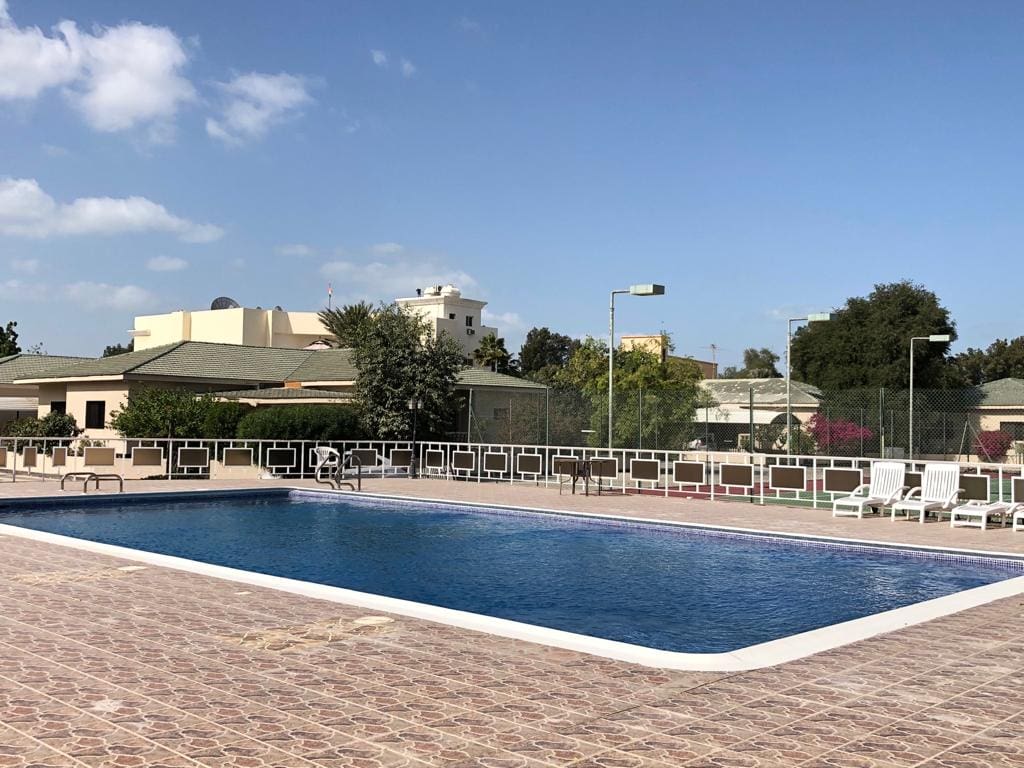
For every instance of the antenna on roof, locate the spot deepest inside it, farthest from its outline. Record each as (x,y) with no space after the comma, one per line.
(224,302)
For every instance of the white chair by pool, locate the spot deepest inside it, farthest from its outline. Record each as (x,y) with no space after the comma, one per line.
(938,492)
(976,514)
(327,459)
(885,488)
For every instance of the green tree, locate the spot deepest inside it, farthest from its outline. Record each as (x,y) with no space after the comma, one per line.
(399,360)
(9,339)
(867,343)
(491,353)
(1004,358)
(348,323)
(222,418)
(757,364)
(544,352)
(52,424)
(118,349)
(153,412)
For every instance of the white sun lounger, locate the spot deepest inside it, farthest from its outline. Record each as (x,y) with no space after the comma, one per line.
(938,492)
(976,514)
(886,487)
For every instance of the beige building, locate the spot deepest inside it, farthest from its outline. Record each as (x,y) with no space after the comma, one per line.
(446,310)
(232,325)
(655,344)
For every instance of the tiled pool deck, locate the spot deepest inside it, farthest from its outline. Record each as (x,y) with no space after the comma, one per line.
(157,667)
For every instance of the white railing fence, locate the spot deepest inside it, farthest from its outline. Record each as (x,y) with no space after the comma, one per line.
(757,478)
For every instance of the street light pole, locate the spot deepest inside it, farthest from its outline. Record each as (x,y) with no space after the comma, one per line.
(935,337)
(814,317)
(650,289)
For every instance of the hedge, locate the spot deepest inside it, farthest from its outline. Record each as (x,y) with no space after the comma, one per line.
(301,422)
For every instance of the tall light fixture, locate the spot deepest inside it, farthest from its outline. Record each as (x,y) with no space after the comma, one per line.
(813,317)
(935,338)
(648,289)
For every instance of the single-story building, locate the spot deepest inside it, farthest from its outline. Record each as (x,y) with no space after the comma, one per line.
(91,390)
(20,401)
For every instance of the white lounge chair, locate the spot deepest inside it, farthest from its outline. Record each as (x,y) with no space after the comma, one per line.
(885,488)
(976,514)
(938,492)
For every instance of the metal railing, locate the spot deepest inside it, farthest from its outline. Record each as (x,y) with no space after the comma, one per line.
(810,480)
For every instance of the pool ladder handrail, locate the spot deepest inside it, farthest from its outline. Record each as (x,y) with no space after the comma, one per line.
(338,464)
(93,476)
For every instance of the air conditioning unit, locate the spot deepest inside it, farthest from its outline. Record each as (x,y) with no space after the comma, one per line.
(470,331)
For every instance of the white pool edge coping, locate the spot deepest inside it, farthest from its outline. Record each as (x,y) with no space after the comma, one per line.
(771,653)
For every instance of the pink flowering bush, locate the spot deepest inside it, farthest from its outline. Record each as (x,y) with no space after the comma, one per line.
(993,444)
(836,435)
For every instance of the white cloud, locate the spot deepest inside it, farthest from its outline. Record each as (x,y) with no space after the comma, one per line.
(166,264)
(294,249)
(117,78)
(106,296)
(52,150)
(467,24)
(380,58)
(25,266)
(18,290)
(255,102)
(408,68)
(504,321)
(28,211)
(387,249)
(132,75)
(365,279)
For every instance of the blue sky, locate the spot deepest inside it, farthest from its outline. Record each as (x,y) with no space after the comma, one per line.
(760,159)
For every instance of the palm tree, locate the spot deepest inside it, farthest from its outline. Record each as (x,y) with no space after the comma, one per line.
(492,354)
(348,323)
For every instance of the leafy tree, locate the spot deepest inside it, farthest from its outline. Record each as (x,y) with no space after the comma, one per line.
(867,343)
(545,352)
(153,412)
(398,359)
(492,354)
(9,339)
(301,422)
(52,424)
(1004,358)
(118,349)
(349,323)
(757,364)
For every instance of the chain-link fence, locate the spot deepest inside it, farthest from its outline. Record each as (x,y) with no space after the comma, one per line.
(947,424)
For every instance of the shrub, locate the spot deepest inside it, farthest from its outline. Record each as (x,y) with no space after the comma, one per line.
(301,422)
(222,418)
(836,435)
(993,444)
(152,412)
(51,425)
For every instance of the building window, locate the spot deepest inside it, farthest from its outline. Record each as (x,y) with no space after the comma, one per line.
(95,414)
(59,406)
(1015,428)
(469,321)
(451,315)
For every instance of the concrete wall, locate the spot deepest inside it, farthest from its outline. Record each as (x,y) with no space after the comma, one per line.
(242,325)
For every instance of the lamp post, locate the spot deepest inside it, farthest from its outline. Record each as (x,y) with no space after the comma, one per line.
(934,338)
(813,317)
(414,405)
(648,289)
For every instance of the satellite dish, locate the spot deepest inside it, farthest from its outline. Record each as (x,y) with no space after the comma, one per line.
(278,308)
(224,302)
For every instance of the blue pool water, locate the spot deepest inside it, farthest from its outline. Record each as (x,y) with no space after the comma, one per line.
(673,589)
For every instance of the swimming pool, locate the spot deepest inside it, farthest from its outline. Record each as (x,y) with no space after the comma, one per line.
(658,586)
